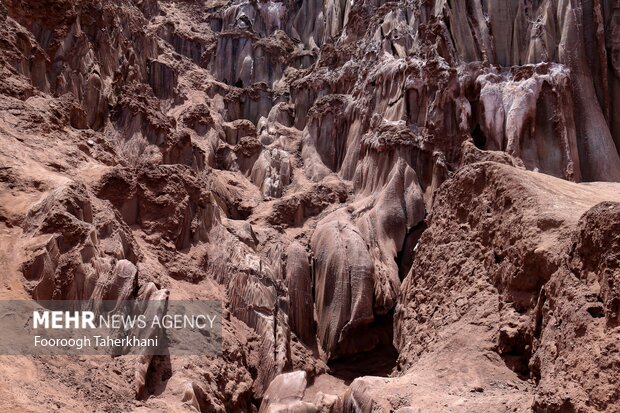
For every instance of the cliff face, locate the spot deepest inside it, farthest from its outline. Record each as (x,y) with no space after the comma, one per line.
(513,292)
(352,178)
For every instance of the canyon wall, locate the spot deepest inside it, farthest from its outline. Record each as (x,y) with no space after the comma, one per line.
(427,182)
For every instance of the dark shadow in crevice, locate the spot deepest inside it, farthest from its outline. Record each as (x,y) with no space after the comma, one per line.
(406,255)
(379,361)
(515,348)
(480,140)
(157,375)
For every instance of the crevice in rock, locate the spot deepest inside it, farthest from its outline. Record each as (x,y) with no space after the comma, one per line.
(515,348)
(480,140)
(157,375)
(405,257)
(380,361)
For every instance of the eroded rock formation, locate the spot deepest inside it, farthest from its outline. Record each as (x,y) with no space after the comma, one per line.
(350,179)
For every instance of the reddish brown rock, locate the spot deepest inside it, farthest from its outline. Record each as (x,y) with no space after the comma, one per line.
(496,288)
(297,160)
